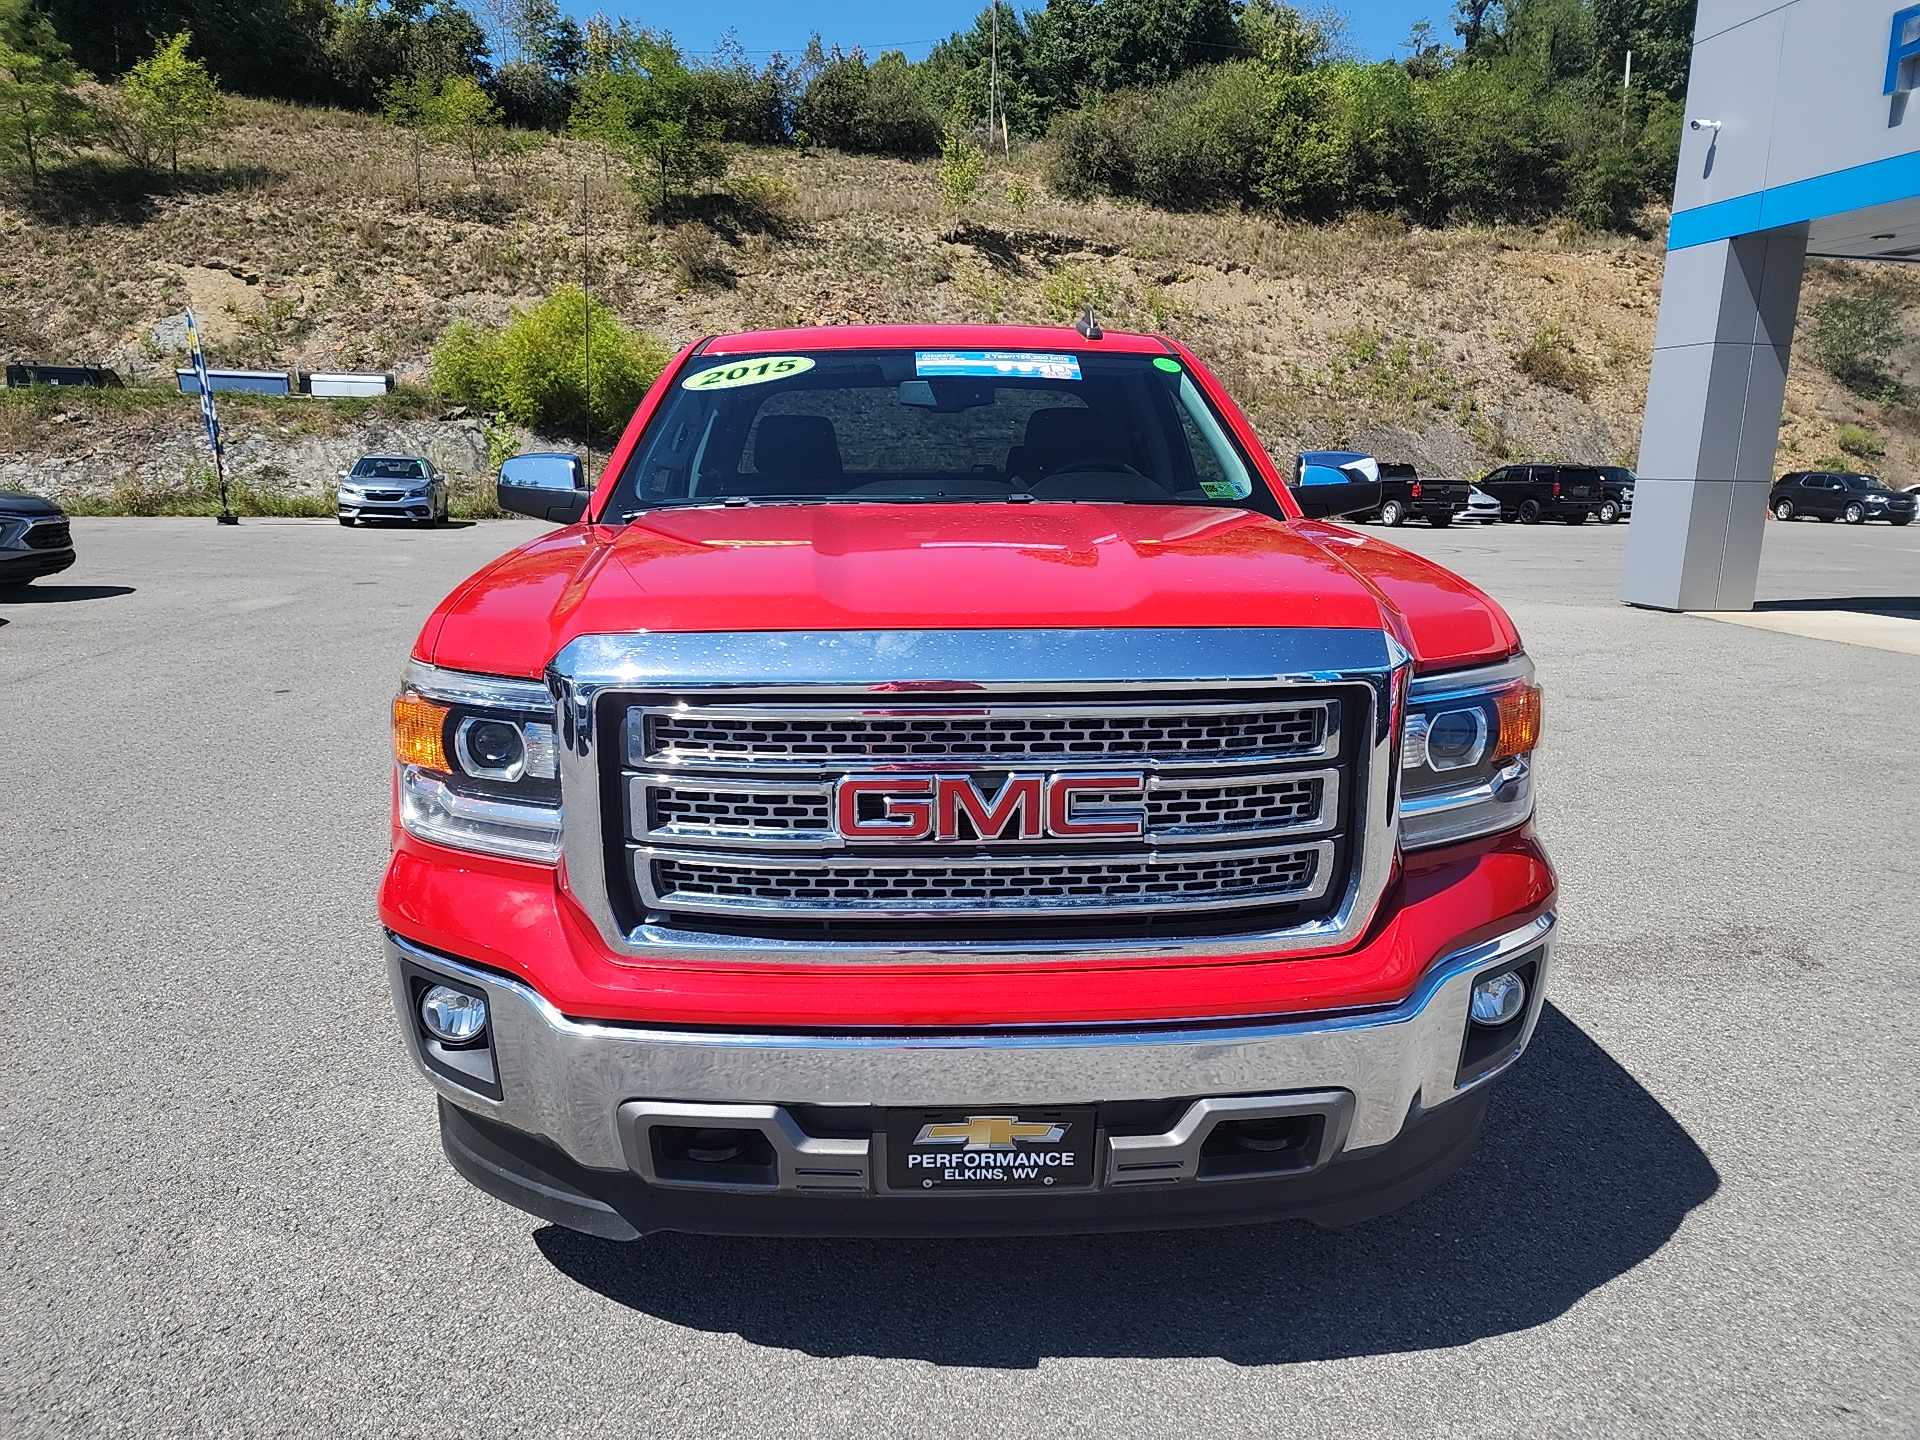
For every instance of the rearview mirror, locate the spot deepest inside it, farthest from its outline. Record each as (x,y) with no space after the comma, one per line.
(1325,493)
(547,487)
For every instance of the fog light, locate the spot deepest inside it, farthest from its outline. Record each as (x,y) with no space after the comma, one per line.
(455,1017)
(1499,999)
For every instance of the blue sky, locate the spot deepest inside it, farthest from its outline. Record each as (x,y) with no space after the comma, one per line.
(762,26)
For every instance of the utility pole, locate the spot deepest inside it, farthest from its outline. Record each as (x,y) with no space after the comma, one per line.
(586,319)
(1626,92)
(993,72)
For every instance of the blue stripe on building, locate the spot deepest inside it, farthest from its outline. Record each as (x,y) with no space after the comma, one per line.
(1863,186)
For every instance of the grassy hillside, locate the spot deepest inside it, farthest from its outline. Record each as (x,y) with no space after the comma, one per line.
(309,247)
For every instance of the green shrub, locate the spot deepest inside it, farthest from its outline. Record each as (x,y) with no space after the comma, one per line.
(1609,190)
(533,370)
(1549,359)
(962,163)
(1854,337)
(198,493)
(768,200)
(1861,443)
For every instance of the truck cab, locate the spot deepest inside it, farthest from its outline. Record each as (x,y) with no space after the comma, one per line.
(943,780)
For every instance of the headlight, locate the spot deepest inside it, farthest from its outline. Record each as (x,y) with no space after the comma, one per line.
(477,763)
(351,491)
(1467,754)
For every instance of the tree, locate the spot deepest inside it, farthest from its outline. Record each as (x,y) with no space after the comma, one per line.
(639,97)
(251,47)
(39,106)
(462,114)
(409,105)
(962,163)
(1473,21)
(373,43)
(171,102)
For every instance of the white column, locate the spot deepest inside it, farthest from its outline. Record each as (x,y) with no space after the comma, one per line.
(1720,355)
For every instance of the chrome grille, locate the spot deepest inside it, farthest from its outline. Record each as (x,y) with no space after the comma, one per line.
(1120,885)
(49,535)
(728,808)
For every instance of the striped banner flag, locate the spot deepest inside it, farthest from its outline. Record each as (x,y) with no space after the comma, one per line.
(208,413)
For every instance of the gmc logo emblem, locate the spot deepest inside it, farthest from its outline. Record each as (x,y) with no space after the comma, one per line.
(907,809)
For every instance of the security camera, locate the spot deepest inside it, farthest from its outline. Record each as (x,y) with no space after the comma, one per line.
(1703,124)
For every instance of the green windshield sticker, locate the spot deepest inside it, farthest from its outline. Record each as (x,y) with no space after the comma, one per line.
(1225,489)
(757,371)
(1166,363)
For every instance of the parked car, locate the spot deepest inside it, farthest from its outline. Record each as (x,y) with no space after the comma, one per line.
(1616,493)
(813,852)
(392,487)
(1405,495)
(1532,493)
(1836,495)
(1482,508)
(35,539)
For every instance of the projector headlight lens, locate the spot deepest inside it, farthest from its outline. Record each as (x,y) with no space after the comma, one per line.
(491,749)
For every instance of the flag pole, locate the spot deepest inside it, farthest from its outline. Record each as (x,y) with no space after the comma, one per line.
(210,416)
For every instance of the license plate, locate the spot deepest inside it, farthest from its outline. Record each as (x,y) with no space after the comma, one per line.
(990,1149)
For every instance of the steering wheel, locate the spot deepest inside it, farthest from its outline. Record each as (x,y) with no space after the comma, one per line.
(1091,466)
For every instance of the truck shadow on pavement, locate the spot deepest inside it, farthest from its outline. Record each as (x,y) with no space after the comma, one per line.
(1581,1176)
(61,594)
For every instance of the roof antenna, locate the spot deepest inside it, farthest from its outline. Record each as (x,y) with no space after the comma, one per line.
(1086,324)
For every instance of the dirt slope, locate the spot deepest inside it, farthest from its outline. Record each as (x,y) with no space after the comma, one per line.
(309,247)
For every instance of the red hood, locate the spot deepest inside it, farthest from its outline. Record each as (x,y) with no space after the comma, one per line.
(938,567)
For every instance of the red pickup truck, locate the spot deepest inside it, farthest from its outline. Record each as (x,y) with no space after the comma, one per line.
(939,781)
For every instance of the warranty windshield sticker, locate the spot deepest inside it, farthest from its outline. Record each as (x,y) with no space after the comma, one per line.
(748,372)
(1014,364)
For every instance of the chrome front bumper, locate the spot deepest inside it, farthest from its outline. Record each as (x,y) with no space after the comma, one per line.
(569,1080)
(386,510)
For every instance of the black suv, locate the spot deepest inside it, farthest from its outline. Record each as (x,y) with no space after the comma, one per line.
(1616,493)
(35,539)
(1404,494)
(1532,493)
(1835,495)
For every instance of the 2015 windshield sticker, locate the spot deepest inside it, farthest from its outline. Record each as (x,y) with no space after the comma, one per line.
(1225,489)
(757,371)
(984,364)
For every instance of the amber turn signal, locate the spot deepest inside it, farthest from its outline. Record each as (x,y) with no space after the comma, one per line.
(1519,723)
(419,733)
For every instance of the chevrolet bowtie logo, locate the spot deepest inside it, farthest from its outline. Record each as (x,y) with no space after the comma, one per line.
(988,1132)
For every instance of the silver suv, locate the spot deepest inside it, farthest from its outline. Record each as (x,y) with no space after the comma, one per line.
(34,539)
(392,487)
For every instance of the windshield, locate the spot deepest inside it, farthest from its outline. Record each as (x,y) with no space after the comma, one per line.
(1864,482)
(378,469)
(955,426)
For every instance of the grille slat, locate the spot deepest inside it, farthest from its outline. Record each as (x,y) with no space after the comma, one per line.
(1118,884)
(716,736)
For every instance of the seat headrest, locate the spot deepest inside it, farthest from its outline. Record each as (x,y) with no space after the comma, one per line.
(796,445)
(1057,436)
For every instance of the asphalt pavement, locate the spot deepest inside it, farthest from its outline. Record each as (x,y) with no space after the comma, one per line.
(225,1211)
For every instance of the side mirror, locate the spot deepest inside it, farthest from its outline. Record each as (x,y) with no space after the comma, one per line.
(1325,493)
(547,487)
